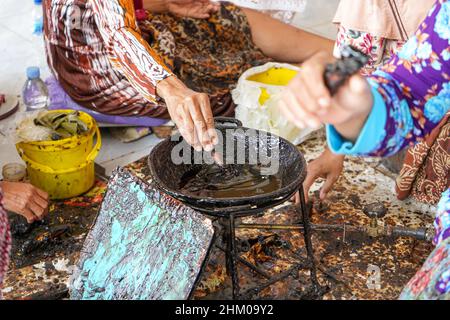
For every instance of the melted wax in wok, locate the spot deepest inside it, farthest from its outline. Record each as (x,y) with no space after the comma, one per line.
(229,181)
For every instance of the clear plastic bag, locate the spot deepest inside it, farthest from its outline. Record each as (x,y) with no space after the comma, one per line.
(257,95)
(21,128)
(28,131)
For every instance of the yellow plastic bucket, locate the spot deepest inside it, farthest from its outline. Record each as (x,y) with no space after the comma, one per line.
(274,77)
(63,168)
(65,153)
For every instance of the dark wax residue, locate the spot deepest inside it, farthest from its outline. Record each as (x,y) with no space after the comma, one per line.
(229,181)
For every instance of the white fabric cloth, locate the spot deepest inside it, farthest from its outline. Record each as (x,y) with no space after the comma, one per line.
(283,5)
(283,10)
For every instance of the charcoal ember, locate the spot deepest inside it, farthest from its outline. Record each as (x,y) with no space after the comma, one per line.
(30,245)
(20,227)
(45,238)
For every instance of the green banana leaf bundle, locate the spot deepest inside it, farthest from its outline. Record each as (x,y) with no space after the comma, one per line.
(63,125)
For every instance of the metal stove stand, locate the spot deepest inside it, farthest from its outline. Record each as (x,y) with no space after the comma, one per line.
(227,231)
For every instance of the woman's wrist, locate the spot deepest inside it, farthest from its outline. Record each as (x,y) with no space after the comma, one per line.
(351,129)
(362,102)
(169,86)
(328,153)
(156,6)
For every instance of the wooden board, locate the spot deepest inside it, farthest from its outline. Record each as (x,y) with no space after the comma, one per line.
(144,245)
(9,107)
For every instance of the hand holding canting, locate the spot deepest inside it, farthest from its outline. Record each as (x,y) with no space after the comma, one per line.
(308,103)
(191,112)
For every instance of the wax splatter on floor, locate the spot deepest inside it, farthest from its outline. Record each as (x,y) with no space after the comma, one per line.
(346,261)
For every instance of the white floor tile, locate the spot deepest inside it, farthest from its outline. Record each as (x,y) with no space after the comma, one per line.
(10,8)
(115,153)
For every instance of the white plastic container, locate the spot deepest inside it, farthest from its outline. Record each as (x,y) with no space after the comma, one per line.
(257,95)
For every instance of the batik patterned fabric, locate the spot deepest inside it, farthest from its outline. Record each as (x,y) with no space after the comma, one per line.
(96,52)
(418,100)
(379,49)
(128,52)
(208,55)
(433,280)
(412,91)
(425,174)
(412,96)
(5,243)
(442,222)
(108,62)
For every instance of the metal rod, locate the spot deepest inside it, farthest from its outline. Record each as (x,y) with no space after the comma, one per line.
(307,235)
(419,234)
(299,227)
(274,279)
(270,227)
(231,254)
(205,263)
(249,265)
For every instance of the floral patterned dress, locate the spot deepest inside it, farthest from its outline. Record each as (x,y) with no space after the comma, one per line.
(412,96)
(5,242)
(379,49)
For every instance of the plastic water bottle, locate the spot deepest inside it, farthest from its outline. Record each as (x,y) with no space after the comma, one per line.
(35,92)
(38,18)
(37,31)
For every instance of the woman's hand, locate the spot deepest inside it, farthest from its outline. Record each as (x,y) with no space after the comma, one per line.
(199,9)
(25,199)
(328,166)
(191,112)
(308,103)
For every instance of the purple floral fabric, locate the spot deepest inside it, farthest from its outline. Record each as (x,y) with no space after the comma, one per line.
(415,84)
(415,87)
(433,279)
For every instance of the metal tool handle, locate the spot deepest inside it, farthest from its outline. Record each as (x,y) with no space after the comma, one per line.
(333,79)
(350,63)
(423,234)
